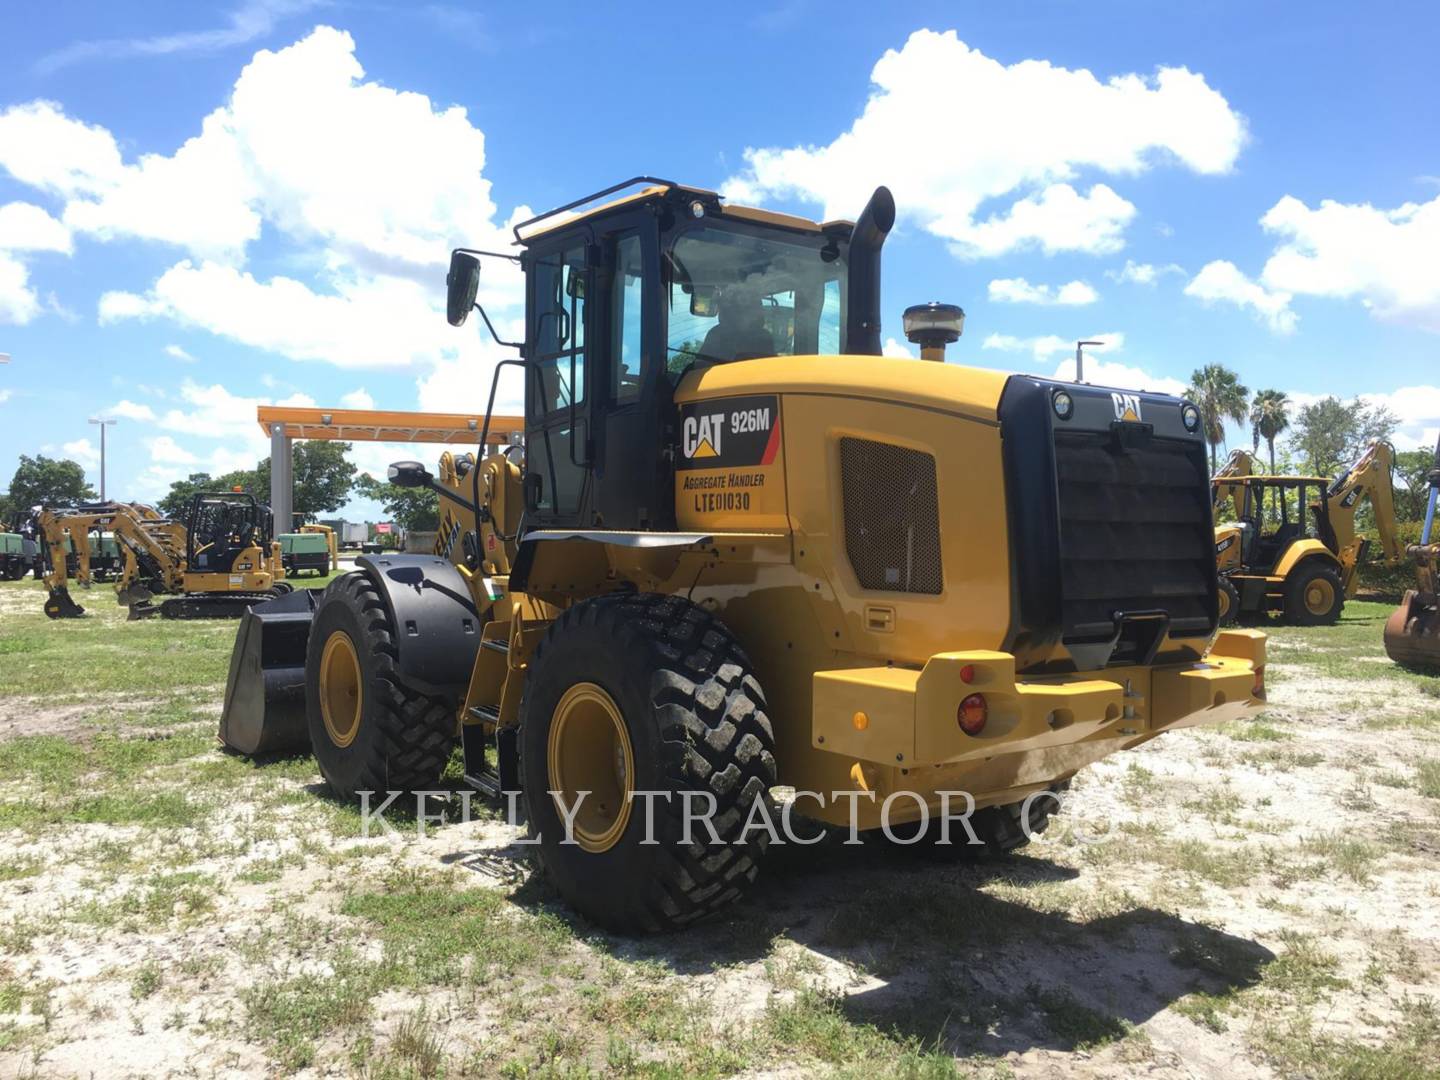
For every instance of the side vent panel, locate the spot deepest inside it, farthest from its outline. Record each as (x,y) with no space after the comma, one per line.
(892,516)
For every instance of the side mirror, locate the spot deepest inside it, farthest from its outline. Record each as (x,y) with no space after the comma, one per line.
(410,474)
(462,283)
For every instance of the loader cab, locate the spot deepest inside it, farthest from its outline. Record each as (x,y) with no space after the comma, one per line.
(626,298)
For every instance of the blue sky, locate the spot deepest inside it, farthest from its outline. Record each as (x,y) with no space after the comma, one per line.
(206,207)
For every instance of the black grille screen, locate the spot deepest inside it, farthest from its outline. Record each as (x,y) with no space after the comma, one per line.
(892,516)
(1135,534)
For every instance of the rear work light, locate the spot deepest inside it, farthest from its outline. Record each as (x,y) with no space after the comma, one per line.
(972,714)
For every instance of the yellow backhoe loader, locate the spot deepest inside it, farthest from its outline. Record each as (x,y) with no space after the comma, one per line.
(1294,547)
(215,564)
(742,552)
(1412,633)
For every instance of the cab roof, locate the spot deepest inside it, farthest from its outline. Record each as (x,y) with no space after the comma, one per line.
(652,189)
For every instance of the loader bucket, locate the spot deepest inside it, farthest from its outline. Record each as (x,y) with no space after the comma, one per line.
(1412,633)
(264,710)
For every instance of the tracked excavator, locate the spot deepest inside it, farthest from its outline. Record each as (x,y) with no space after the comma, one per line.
(1412,633)
(215,564)
(742,552)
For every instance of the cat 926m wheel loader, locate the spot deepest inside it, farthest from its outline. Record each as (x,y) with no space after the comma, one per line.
(742,551)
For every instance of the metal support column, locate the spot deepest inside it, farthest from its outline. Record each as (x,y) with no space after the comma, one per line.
(282,479)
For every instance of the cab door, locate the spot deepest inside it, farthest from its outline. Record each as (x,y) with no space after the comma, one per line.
(557,398)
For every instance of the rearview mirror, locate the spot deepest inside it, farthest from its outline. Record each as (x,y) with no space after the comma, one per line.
(702,301)
(410,474)
(462,283)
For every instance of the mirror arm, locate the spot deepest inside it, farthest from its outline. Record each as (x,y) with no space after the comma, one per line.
(488,254)
(518,346)
(454,496)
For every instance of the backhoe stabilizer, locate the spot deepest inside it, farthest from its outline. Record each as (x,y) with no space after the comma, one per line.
(58,605)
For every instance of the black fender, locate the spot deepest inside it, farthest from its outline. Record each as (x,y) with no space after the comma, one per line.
(437,629)
(597,540)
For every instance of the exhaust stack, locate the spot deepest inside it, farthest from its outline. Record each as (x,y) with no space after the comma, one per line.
(862,323)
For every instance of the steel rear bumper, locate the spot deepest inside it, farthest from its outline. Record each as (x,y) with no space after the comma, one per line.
(908,717)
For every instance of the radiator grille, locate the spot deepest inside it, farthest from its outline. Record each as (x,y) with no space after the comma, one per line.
(892,516)
(1135,534)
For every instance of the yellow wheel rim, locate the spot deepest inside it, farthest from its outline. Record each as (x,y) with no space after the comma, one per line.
(1224,603)
(589,750)
(341,695)
(1319,596)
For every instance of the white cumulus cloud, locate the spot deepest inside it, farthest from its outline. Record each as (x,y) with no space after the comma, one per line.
(1023,132)
(131,410)
(1044,347)
(364,187)
(1142,273)
(1383,258)
(1020,291)
(27,227)
(1222,281)
(177,353)
(357,399)
(18,302)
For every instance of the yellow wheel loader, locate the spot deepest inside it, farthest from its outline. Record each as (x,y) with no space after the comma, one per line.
(742,554)
(1412,633)
(219,561)
(1293,547)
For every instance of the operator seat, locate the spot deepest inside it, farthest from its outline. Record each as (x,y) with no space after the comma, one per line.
(740,333)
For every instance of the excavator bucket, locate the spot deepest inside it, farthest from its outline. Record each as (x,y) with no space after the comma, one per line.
(59,605)
(264,710)
(1412,633)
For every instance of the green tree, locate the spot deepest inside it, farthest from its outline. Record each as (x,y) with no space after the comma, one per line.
(1220,396)
(411,508)
(177,499)
(323,480)
(44,481)
(1332,433)
(324,477)
(1269,416)
(1412,493)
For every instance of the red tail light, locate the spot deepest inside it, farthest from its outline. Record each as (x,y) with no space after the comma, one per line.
(972,714)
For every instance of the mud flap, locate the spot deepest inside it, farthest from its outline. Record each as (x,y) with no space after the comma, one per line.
(264,711)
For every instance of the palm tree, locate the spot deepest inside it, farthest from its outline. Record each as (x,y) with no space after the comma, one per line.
(1269,416)
(1220,396)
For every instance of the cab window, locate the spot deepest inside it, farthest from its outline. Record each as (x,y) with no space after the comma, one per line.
(626,298)
(559,330)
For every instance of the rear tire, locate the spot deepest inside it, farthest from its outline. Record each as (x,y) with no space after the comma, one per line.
(685,713)
(368,729)
(1314,595)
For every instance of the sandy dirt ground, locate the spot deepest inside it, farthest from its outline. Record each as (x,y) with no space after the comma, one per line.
(1262,900)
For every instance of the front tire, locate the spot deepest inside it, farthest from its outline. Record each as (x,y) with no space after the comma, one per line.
(368,729)
(1001,830)
(1229,602)
(634,693)
(1314,595)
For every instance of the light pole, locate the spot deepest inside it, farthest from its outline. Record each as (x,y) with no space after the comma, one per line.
(1080,358)
(103,423)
